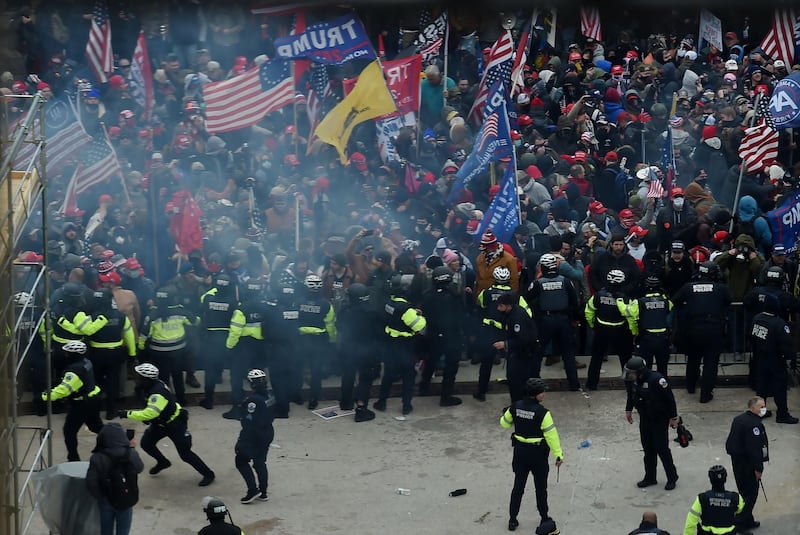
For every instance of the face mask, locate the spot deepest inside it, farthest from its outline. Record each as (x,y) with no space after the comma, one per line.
(762,411)
(681,52)
(678,203)
(120,240)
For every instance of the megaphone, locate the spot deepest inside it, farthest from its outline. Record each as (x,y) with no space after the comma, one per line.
(508,21)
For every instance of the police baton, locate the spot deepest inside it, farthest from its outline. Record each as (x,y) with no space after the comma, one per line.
(761,482)
(558,473)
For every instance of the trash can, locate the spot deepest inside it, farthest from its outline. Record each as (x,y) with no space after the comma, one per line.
(65,504)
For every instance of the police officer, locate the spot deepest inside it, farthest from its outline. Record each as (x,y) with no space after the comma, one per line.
(649,525)
(163,337)
(215,511)
(68,318)
(360,333)
(445,312)
(534,436)
(216,309)
(748,447)
(518,344)
(111,340)
(492,326)
(78,386)
(649,393)
(166,418)
(317,329)
(653,317)
(701,308)
(554,302)
(772,348)
(402,323)
(245,342)
(279,326)
(607,313)
(256,436)
(715,509)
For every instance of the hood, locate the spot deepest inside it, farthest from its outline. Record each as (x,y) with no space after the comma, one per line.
(669,70)
(747,208)
(745,239)
(690,82)
(545,75)
(695,193)
(572,191)
(112,440)
(555,61)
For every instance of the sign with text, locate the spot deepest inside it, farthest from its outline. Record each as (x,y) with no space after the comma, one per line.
(331,42)
(711,28)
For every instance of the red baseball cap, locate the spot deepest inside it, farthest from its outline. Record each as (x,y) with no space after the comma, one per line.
(597,207)
(638,231)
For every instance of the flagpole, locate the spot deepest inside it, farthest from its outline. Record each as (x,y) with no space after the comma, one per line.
(121,178)
(742,166)
(518,82)
(446,54)
(153,218)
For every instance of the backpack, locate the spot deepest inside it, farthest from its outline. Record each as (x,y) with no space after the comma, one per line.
(122,488)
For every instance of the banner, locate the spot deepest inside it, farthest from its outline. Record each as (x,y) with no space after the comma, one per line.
(331,42)
(387,130)
(710,29)
(785,102)
(503,213)
(432,32)
(784,222)
(369,99)
(141,83)
(402,79)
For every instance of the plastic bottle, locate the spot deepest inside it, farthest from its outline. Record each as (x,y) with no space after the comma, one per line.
(584,444)
(458,492)
(403,492)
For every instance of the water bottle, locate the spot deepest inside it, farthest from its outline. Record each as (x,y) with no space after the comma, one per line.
(403,492)
(584,444)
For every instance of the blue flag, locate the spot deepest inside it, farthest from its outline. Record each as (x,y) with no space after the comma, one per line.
(784,222)
(784,106)
(331,42)
(503,213)
(492,142)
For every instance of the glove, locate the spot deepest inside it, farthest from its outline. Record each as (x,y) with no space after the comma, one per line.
(122,413)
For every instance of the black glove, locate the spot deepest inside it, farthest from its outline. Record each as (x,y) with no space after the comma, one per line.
(122,413)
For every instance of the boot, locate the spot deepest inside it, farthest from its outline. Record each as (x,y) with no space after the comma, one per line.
(363,414)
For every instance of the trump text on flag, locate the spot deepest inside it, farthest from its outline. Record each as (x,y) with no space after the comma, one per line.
(331,42)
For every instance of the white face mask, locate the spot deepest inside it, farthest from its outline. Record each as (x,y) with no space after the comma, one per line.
(678,203)
(762,411)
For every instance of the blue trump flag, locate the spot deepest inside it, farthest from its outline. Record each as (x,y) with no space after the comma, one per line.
(492,142)
(331,42)
(784,222)
(784,105)
(503,213)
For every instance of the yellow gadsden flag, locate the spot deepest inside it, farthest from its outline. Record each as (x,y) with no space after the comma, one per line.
(370,98)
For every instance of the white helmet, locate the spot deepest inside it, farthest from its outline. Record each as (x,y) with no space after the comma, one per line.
(256,373)
(501,274)
(313,282)
(615,276)
(75,346)
(147,370)
(23,299)
(549,263)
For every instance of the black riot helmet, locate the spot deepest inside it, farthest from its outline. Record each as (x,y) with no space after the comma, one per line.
(652,281)
(251,290)
(214,508)
(442,276)
(717,475)
(535,386)
(358,293)
(73,293)
(775,276)
(708,270)
(103,299)
(633,368)
(223,284)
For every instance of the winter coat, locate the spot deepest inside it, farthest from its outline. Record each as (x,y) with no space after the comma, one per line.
(112,444)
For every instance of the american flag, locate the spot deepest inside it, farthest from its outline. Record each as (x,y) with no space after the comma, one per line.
(99,165)
(141,86)
(65,138)
(243,100)
(590,23)
(521,57)
(759,147)
(98,47)
(655,190)
(317,96)
(488,132)
(431,50)
(668,159)
(779,43)
(497,68)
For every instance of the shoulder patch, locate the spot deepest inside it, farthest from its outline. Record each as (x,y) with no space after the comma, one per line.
(517,328)
(662,382)
(251,407)
(69,376)
(153,398)
(756,431)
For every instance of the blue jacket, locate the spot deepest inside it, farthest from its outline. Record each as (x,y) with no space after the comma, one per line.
(749,212)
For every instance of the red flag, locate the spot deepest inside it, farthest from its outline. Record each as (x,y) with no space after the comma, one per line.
(498,67)
(402,79)
(590,23)
(98,48)
(243,100)
(142,76)
(381,47)
(779,42)
(185,225)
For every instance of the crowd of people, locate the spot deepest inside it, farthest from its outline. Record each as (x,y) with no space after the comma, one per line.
(626,242)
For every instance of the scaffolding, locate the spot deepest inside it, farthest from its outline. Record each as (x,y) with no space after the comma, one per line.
(24,297)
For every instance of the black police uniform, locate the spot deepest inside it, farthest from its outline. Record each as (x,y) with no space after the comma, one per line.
(748,446)
(772,347)
(554,302)
(258,412)
(360,333)
(611,329)
(216,309)
(445,312)
(399,358)
(220,527)
(647,528)
(280,327)
(317,334)
(245,343)
(654,401)
(702,305)
(654,322)
(108,353)
(716,511)
(519,337)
